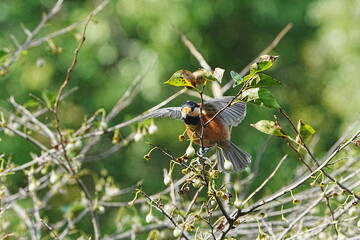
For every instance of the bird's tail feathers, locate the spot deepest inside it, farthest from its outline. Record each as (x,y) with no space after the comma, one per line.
(229,151)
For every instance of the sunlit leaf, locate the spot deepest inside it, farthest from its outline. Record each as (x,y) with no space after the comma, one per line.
(269,127)
(182,78)
(265,62)
(305,130)
(262,80)
(259,96)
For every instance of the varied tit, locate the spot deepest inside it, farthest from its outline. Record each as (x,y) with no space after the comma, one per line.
(216,132)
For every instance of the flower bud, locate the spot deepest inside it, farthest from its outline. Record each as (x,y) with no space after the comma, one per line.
(177,232)
(101,209)
(152,129)
(190,151)
(150,218)
(138,136)
(32,185)
(167,180)
(285,223)
(238,204)
(228,166)
(53,177)
(197,183)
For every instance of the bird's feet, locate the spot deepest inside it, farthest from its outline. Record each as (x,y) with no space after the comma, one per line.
(202,151)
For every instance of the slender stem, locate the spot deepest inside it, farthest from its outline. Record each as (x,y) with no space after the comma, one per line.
(266,180)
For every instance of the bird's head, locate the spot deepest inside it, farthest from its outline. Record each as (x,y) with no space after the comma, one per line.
(190,109)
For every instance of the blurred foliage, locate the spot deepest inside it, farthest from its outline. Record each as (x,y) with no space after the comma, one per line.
(318,63)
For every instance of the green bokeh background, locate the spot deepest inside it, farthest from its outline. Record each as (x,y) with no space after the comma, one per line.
(319,64)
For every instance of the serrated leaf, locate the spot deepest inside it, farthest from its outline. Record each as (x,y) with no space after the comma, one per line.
(236,77)
(259,96)
(262,80)
(182,78)
(269,127)
(305,130)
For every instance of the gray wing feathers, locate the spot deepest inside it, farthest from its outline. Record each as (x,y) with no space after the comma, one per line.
(170,112)
(232,115)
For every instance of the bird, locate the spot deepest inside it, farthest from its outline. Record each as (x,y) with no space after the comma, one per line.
(216,133)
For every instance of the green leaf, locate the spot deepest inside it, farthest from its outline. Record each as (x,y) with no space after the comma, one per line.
(236,77)
(259,96)
(305,130)
(265,62)
(269,127)
(263,80)
(182,78)
(260,66)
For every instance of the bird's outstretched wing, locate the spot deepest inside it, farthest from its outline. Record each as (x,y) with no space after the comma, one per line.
(170,112)
(232,115)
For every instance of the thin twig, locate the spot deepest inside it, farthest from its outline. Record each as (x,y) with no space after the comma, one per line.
(32,42)
(50,228)
(265,181)
(167,215)
(94,214)
(270,47)
(195,52)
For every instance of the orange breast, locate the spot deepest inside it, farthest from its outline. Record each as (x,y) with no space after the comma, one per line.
(214,132)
